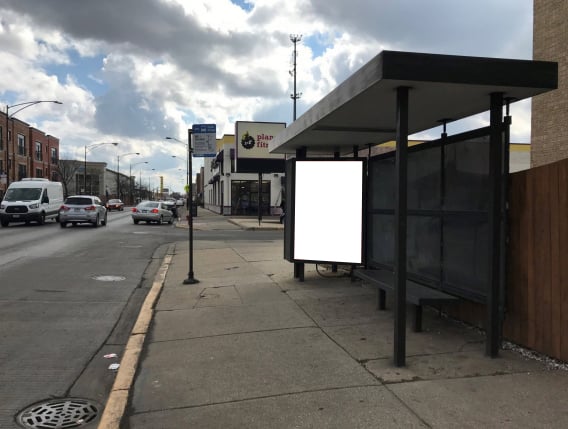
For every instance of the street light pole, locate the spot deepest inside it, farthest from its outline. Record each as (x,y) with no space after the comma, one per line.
(21,106)
(87,147)
(130,179)
(187,172)
(118,171)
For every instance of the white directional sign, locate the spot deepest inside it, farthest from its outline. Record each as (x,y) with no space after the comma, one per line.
(204,140)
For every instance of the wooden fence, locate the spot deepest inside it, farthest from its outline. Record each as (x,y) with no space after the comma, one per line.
(537,260)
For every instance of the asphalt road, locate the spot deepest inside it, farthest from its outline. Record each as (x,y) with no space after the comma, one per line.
(67,298)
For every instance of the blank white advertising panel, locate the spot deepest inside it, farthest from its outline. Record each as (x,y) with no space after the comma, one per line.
(328,213)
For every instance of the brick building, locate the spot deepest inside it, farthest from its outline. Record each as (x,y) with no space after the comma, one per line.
(25,152)
(549,133)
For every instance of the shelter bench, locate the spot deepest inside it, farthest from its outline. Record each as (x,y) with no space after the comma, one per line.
(416,293)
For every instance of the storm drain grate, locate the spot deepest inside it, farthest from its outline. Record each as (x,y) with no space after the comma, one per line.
(59,414)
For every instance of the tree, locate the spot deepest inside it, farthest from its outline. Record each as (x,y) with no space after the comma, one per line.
(67,171)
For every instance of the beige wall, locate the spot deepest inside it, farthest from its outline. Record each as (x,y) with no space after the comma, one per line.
(549,125)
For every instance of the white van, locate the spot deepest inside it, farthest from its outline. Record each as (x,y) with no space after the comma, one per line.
(31,199)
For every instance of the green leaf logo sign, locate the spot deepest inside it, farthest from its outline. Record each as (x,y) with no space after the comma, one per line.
(247,141)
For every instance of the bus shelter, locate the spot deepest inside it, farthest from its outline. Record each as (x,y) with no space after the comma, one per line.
(427,212)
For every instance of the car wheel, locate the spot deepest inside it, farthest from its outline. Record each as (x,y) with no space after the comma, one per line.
(96,223)
(63,224)
(41,220)
(104,221)
(136,221)
(160,220)
(171,220)
(4,223)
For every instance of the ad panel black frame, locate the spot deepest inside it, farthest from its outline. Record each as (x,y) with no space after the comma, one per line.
(290,234)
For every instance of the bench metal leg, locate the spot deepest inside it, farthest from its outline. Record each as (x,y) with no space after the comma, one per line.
(299,271)
(381,299)
(417,318)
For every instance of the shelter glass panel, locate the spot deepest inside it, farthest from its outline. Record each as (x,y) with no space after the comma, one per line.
(424,178)
(423,248)
(381,243)
(382,186)
(466,168)
(466,264)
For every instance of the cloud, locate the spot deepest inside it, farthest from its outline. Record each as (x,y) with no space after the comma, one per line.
(165,64)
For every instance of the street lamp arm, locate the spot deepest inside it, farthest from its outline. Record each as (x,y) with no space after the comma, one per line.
(28,104)
(88,148)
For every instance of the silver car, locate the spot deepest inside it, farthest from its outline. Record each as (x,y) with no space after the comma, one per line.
(152,211)
(82,209)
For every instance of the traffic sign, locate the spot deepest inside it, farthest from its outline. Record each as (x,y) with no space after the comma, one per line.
(204,140)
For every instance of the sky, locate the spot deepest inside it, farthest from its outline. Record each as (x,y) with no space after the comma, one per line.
(137,71)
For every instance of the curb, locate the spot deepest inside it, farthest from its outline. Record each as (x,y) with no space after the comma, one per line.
(241,225)
(118,398)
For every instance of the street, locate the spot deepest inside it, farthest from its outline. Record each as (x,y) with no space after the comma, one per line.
(68,297)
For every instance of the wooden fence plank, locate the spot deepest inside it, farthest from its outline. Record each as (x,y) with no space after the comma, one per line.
(531,266)
(555,262)
(563,272)
(515,326)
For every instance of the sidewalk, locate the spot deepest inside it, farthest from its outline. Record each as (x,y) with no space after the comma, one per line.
(250,347)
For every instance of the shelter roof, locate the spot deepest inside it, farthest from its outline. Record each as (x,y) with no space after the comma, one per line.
(362,109)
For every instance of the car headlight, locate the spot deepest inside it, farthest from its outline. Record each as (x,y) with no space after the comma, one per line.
(34,206)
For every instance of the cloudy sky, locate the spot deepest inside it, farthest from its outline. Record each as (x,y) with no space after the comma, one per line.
(136,71)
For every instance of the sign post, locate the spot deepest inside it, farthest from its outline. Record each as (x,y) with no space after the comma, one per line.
(204,145)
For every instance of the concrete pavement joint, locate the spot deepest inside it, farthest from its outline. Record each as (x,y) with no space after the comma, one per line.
(118,398)
(256,398)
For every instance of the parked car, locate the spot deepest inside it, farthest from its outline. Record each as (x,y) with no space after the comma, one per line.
(180,202)
(82,209)
(115,204)
(152,211)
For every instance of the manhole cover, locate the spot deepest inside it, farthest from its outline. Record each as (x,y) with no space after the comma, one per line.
(59,414)
(109,278)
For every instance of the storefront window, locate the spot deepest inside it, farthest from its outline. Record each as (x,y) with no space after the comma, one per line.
(244,197)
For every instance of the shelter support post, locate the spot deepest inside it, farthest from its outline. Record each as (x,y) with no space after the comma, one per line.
(299,267)
(401,165)
(496,207)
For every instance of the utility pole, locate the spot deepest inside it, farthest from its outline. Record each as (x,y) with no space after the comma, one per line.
(295,38)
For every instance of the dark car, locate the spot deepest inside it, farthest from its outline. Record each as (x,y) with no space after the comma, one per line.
(115,204)
(172,206)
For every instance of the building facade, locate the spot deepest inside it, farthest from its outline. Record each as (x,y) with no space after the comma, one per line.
(230,193)
(549,134)
(25,152)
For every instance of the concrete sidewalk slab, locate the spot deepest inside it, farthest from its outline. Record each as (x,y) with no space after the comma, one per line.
(214,321)
(535,400)
(460,364)
(243,366)
(357,407)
